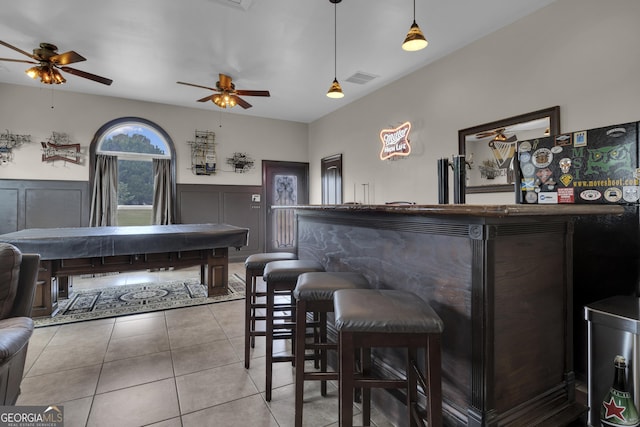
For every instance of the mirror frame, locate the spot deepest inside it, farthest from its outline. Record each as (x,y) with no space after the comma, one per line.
(553,113)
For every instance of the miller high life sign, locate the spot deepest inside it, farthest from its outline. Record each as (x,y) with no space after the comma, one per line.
(395,142)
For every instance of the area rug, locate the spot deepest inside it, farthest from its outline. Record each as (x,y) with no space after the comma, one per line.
(124,300)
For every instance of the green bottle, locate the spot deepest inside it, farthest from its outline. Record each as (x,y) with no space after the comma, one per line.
(617,407)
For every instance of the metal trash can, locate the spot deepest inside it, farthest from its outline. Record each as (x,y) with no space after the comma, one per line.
(613,329)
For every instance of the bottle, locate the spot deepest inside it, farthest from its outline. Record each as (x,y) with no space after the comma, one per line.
(618,408)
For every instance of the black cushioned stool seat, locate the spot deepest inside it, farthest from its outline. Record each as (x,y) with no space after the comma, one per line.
(314,293)
(369,318)
(281,278)
(254,268)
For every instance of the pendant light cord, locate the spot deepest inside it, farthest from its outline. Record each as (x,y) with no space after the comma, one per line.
(335,40)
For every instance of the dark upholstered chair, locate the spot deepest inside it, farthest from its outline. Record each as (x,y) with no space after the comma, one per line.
(18,275)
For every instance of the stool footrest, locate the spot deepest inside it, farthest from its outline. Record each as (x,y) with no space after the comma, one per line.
(321,376)
(321,346)
(278,335)
(289,358)
(284,325)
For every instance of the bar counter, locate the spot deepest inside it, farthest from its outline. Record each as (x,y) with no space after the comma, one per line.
(499,276)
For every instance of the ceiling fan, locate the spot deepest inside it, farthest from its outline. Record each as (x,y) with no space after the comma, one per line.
(48,61)
(498,134)
(226,93)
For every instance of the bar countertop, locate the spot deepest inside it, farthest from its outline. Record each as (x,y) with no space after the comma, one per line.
(470,210)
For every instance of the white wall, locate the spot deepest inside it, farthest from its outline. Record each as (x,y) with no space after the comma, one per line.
(579,54)
(26,110)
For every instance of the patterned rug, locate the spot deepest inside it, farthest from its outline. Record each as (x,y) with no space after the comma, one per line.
(124,300)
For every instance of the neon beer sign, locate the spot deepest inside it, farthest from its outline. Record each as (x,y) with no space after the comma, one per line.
(395,142)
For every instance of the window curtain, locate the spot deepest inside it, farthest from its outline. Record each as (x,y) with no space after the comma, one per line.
(162,200)
(104,200)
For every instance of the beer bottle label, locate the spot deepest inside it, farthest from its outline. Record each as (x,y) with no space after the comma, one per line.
(618,410)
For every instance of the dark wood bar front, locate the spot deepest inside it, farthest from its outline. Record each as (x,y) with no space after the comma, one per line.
(499,276)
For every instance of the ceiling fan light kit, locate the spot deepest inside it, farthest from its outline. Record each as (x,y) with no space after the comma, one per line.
(415,40)
(335,91)
(224,100)
(47,75)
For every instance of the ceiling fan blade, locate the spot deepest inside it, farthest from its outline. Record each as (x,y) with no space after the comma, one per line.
(194,85)
(206,98)
(18,60)
(67,58)
(18,50)
(253,92)
(86,75)
(241,102)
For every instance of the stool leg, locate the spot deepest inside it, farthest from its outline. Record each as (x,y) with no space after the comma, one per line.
(301,321)
(322,317)
(247,317)
(254,300)
(269,343)
(347,371)
(365,392)
(317,338)
(433,371)
(292,302)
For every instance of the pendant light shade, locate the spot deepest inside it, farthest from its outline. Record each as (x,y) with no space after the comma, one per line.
(335,91)
(415,40)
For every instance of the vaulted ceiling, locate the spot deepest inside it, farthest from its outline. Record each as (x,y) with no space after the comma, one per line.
(284,46)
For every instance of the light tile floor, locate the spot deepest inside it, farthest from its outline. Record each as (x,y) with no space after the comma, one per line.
(181,367)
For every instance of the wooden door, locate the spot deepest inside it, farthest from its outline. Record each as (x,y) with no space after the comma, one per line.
(284,184)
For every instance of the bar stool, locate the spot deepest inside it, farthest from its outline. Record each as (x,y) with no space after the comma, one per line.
(314,293)
(368,318)
(254,268)
(281,278)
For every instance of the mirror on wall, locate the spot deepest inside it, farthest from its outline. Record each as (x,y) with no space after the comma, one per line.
(489,149)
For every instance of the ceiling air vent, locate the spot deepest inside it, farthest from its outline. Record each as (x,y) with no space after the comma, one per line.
(361,78)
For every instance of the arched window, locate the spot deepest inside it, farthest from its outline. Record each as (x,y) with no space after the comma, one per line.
(140,147)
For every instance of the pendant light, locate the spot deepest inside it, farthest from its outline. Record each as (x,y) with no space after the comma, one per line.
(335,91)
(415,40)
